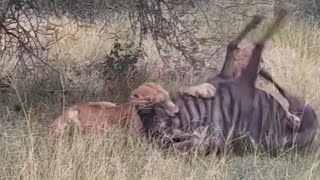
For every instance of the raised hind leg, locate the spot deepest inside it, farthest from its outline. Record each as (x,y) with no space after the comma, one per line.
(228,66)
(250,73)
(294,104)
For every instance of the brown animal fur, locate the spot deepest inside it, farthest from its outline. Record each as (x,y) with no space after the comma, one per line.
(153,93)
(101,115)
(103,103)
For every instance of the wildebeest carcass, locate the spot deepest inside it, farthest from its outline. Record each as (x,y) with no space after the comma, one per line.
(238,111)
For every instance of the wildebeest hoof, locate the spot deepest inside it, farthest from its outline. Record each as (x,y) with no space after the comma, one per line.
(294,121)
(256,20)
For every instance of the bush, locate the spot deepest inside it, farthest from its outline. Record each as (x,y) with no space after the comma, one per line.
(120,67)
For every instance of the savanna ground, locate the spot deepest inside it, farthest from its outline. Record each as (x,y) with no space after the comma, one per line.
(27,107)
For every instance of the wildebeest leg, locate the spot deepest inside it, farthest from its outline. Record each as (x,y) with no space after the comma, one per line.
(245,91)
(303,132)
(308,124)
(178,134)
(228,66)
(242,91)
(200,140)
(251,72)
(303,120)
(294,103)
(246,88)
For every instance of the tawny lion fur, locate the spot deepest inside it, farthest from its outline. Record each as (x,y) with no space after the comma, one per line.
(101,115)
(204,90)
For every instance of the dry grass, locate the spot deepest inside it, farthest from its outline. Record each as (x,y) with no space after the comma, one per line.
(27,154)
(292,57)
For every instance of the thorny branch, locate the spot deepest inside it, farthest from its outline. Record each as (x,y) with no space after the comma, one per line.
(21,26)
(173,25)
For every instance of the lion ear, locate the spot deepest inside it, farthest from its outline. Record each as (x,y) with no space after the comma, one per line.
(171,108)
